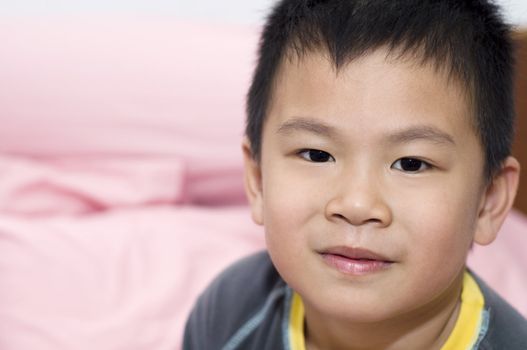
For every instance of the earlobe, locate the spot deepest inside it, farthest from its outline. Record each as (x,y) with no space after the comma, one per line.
(497,201)
(253,183)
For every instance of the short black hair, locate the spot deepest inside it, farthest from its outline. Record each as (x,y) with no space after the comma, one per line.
(467,38)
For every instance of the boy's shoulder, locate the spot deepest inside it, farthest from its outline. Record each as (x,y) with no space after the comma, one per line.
(506,328)
(237,303)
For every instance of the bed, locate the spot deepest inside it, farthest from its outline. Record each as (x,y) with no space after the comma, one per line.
(120,192)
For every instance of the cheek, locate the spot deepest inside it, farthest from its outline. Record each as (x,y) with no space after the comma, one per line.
(285,209)
(442,227)
(290,196)
(291,206)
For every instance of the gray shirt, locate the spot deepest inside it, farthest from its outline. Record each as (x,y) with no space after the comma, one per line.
(247,307)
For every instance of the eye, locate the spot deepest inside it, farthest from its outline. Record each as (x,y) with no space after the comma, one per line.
(411,165)
(316,156)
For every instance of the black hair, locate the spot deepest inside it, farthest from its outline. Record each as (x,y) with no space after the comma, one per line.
(467,38)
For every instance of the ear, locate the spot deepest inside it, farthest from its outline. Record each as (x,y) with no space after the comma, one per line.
(497,201)
(253,183)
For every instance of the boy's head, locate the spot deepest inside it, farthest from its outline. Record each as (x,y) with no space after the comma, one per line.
(373,130)
(466,39)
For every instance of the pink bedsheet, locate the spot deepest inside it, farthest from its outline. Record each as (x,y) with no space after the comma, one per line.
(124,279)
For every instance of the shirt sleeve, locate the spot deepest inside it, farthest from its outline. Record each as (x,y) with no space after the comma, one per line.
(196,333)
(229,302)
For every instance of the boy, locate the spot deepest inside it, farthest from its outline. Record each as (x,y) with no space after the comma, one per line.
(377,152)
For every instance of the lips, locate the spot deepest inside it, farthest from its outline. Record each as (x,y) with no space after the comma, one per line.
(355,261)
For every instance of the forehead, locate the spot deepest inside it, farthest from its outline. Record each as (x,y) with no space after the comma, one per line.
(375,91)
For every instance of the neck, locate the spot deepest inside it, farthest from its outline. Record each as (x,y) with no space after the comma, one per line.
(427,327)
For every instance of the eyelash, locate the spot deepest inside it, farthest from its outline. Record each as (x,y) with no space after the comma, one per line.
(423,165)
(307,155)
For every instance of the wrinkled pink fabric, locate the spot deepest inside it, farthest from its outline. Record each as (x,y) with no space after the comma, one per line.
(125,279)
(86,185)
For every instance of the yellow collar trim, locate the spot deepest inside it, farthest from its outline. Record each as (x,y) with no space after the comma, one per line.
(296,324)
(463,336)
(466,331)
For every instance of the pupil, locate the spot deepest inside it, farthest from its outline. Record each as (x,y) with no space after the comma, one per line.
(318,156)
(409,164)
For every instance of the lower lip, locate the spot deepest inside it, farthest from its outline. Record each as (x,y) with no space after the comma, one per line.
(357,267)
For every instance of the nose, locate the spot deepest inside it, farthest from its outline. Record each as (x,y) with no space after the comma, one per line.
(358,199)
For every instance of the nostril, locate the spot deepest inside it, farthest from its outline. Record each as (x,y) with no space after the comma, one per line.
(343,218)
(348,220)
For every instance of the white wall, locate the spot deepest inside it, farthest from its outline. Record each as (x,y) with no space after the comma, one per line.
(241,11)
(515,11)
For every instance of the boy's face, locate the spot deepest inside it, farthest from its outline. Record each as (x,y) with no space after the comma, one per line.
(370,185)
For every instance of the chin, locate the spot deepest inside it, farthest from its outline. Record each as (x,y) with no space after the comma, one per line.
(355,310)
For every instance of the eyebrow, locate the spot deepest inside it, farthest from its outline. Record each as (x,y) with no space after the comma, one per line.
(424,132)
(309,125)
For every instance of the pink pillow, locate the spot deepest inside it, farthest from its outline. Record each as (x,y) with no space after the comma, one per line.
(154,87)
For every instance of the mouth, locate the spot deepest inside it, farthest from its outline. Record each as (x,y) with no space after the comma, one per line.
(355,261)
